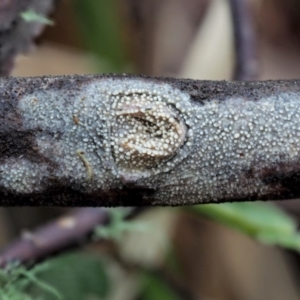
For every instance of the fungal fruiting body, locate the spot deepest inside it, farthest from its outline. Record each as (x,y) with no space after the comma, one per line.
(149,133)
(243,150)
(106,131)
(110,133)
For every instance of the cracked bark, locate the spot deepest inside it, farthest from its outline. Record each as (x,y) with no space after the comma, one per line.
(270,173)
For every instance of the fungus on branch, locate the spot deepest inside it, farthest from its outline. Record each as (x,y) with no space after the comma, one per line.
(127,140)
(149,131)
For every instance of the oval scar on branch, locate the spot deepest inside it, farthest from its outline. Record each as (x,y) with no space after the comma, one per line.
(146,134)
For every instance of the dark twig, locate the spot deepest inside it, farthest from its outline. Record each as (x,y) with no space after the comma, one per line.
(245,41)
(64,233)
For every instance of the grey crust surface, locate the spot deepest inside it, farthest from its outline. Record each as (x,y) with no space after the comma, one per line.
(121,140)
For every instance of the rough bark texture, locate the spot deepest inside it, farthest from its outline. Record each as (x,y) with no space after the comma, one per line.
(16,35)
(129,140)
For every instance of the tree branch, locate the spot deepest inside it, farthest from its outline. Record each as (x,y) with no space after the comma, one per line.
(128,140)
(68,231)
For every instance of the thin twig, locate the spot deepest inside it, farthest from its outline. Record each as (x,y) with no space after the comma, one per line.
(72,230)
(64,233)
(245,41)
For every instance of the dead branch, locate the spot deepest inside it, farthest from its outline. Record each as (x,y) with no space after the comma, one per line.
(68,231)
(129,140)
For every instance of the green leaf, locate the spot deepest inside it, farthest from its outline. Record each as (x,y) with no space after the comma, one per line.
(76,276)
(155,288)
(101,30)
(263,221)
(32,16)
(16,282)
(118,225)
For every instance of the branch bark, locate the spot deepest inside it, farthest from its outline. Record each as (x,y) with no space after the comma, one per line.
(129,140)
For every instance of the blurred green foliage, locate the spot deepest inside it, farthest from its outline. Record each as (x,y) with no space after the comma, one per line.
(262,221)
(155,288)
(16,281)
(101,31)
(119,225)
(73,276)
(32,16)
(76,276)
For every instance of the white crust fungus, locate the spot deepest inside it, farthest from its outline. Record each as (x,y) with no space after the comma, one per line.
(111,132)
(105,129)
